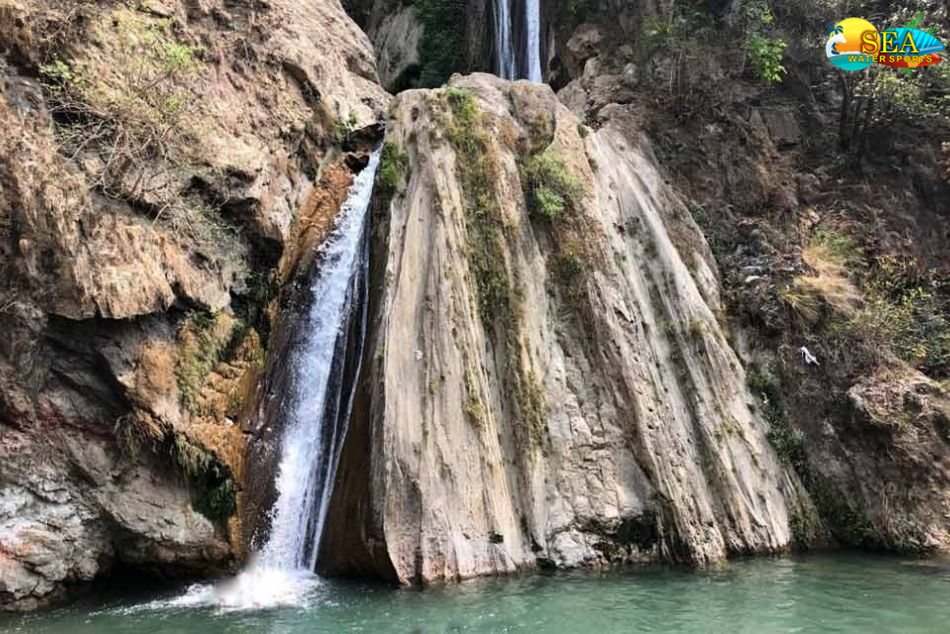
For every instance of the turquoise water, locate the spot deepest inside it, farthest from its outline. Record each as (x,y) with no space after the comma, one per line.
(826,593)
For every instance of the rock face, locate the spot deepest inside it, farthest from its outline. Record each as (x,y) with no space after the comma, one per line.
(892,457)
(397,44)
(863,429)
(545,389)
(71,508)
(152,167)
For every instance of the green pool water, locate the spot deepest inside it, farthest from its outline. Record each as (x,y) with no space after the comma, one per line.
(819,593)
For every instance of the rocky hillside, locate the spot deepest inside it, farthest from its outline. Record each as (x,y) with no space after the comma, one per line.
(789,168)
(163,171)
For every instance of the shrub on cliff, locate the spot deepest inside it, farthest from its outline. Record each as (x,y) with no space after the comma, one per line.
(135,105)
(872,309)
(393,166)
(551,188)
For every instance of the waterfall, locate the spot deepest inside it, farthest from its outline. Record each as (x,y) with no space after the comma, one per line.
(330,337)
(508,66)
(312,437)
(533,39)
(506,52)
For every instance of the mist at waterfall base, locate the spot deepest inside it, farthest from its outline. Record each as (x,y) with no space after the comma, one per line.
(281,572)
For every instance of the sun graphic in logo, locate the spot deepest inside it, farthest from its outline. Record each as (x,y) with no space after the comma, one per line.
(844,44)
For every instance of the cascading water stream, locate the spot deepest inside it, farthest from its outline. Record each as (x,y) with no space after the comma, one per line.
(310,446)
(533,37)
(508,67)
(317,417)
(506,52)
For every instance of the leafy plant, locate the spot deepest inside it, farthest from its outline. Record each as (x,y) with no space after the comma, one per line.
(766,53)
(757,12)
(393,166)
(344,127)
(551,187)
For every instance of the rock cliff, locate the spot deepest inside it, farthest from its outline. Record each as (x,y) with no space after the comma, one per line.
(549,384)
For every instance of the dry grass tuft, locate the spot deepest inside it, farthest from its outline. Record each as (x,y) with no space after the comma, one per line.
(828,288)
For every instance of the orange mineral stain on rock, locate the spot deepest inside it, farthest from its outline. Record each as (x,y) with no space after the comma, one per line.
(315,219)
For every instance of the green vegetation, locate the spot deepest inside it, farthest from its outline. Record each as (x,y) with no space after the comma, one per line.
(756,12)
(132,111)
(393,169)
(762,49)
(205,340)
(787,442)
(553,196)
(720,235)
(498,297)
(214,493)
(485,222)
(850,523)
(200,351)
(530,395)
(344,127)
(839,248)
(217,501)
(570,263)
(905,315)
(766,53)
(215,496)
(802,527)
(828,292)
(878,98)
(474,408)
(568,269)
(684,22)
(442,44)
(551,188)
(137,105)
(872,310)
